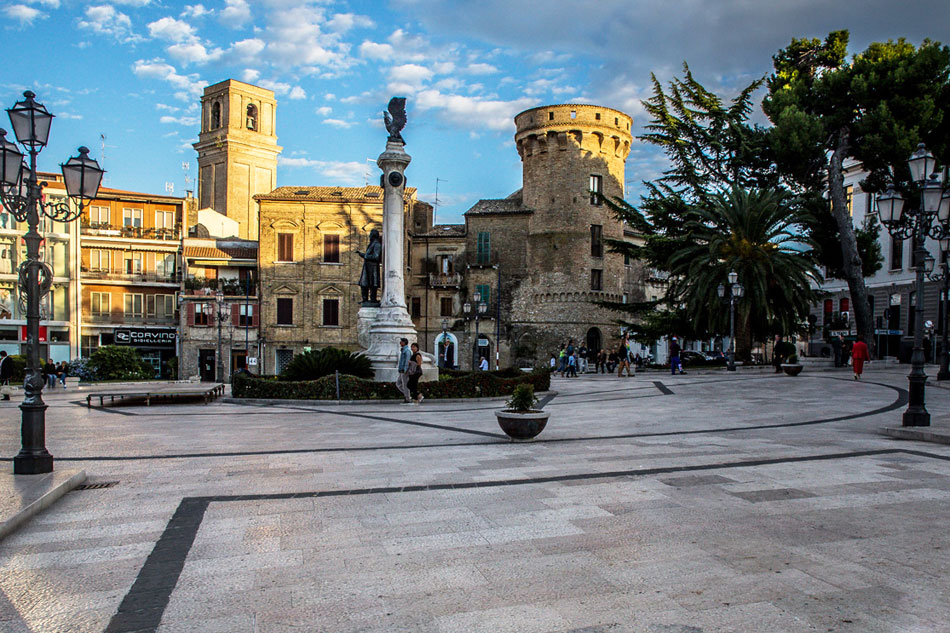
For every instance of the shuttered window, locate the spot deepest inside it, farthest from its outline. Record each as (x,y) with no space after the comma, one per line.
(285,247)
(484,247)
(331,311)
(285,312)
(331,249)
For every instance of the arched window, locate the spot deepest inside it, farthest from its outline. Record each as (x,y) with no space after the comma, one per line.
(215,115)
(252,117)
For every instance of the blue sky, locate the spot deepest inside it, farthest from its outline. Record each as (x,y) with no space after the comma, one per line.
(133,72)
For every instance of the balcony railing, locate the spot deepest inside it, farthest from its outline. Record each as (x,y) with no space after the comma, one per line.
(109,230)
(121,318)
(445,279)
(111,275)
(482,259)
(230,287)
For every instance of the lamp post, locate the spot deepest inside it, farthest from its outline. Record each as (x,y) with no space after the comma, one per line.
(918,223)
(219,302)
(730,293)
(445,343)
(21,193)
(477,310)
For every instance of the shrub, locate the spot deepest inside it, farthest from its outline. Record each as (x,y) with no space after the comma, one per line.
(318,363)
(79,367)
(172,364)
(468,385)
(522,399)
(116,362)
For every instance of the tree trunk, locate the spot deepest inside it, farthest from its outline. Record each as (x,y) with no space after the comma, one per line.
(851,268)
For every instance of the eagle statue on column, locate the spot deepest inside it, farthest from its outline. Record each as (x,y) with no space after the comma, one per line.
(395,118)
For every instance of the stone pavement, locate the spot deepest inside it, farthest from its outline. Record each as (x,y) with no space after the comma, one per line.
(660,504)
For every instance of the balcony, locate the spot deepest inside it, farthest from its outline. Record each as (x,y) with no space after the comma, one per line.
(230,287)
(482,259)
(92,274)
(118,318)
(445,280)
(109,230)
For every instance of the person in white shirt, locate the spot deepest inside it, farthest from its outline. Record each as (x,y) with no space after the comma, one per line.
(484,364)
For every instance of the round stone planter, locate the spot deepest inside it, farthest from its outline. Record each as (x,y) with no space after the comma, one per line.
(522,426)
(792,370)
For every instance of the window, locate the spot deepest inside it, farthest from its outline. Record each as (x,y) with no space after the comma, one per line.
(331,312)
(550,116)
(165,265)
(132,218)
(246,315)
(573,114)
(285,312)
(164,219)
(844,304)
(596,189)
(597,116)
(596,240)
(133,305)
(252,117)
(99,215)
(446,264)
(100,260)
(215,115)
(331,248)
(133,263)
(849,199)
(89,344)
(285,247)
(283,358)
(626,259)
(484,293)
(483,252)
(897,253)
(160,306)
(416,306)
(596,279)
(445,306)
(100,304)
(203,313)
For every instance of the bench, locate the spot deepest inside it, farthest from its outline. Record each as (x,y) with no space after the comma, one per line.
(172,394)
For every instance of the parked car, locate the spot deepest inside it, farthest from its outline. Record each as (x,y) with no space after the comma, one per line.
(716,355)
(692,357)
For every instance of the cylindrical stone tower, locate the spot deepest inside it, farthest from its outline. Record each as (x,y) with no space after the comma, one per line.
(568,152)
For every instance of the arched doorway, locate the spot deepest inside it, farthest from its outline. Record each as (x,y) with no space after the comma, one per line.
(595,340)
(446,349)
(484,350)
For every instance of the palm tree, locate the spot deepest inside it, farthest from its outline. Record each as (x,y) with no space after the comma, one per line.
(756,233)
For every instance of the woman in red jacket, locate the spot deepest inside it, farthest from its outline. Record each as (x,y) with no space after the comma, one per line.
(859,354)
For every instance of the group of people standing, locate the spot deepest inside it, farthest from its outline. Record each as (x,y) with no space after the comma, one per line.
(856,352)
(570,360)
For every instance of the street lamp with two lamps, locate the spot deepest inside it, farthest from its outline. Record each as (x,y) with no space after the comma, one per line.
(220,311)
(21,193)
(730,294)
(944,275)
(475,311)
(918,223)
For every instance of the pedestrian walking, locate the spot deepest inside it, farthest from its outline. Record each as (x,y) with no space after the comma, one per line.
(675,357)
(837,342)
(414,370)
(553,362)
(623,356)
(572,366)
(582,359)
(483,365)
(859,354)
(402,366)
(6,373)
(562,360)
(601,366)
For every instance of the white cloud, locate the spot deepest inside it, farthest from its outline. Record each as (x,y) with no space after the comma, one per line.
(235,14)
(247,50)
(189,87)
(105,20)
(194,52)
(481,69)
(342,22)
(323,111)
(471,112)
(250,75)
(167,108)
(133,3)
(49,4)
(372,50)
(189,121)
(195,11)
(337,172)
(297,93)
(69,115)
(282,88)
(329,96)
(172,30)
(24,14)
(409,74)
(338,123)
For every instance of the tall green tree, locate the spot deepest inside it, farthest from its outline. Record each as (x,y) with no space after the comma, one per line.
(756,233)
(874,108)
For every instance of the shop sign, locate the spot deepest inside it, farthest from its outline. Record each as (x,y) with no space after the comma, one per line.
(252,361)
(145,338)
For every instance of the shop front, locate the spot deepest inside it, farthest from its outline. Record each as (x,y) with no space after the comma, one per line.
(155,345)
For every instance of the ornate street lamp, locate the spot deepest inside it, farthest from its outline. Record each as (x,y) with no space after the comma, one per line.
(929,219)
(730,294)
(944,275)
(219,303)
(475,311)
(21,194)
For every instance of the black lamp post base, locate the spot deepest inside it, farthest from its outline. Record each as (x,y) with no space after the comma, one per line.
(33,463)
(916,416)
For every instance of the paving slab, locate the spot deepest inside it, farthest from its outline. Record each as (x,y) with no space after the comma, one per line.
(24,496)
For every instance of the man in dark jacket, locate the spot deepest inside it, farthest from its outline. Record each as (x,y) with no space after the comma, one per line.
(6,373)
(675,356)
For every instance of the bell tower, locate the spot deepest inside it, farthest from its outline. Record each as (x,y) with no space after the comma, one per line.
(237,151)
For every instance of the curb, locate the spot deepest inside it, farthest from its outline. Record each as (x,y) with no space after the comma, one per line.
(919,433)
(44,501)
(232,400)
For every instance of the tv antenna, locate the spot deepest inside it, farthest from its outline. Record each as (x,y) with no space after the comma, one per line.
(435,206)
(102,156)
(186,167)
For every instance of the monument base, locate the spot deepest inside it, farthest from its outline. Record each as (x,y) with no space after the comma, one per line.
(390,325)
(364,319)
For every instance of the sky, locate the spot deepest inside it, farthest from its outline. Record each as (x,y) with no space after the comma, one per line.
(125,77)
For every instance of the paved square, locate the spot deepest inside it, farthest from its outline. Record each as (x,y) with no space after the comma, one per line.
(657,504)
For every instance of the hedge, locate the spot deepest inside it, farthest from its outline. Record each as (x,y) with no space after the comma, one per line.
(465,385)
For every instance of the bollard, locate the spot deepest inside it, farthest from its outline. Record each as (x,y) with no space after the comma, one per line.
(337,374)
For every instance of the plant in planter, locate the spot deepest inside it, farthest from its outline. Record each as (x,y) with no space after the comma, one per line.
(791,366)
(520,420)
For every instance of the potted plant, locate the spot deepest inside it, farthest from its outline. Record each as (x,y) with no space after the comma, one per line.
(792,367)
(520,420)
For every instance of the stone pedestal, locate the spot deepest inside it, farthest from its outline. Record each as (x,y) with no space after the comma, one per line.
(392,321)
(364,319)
